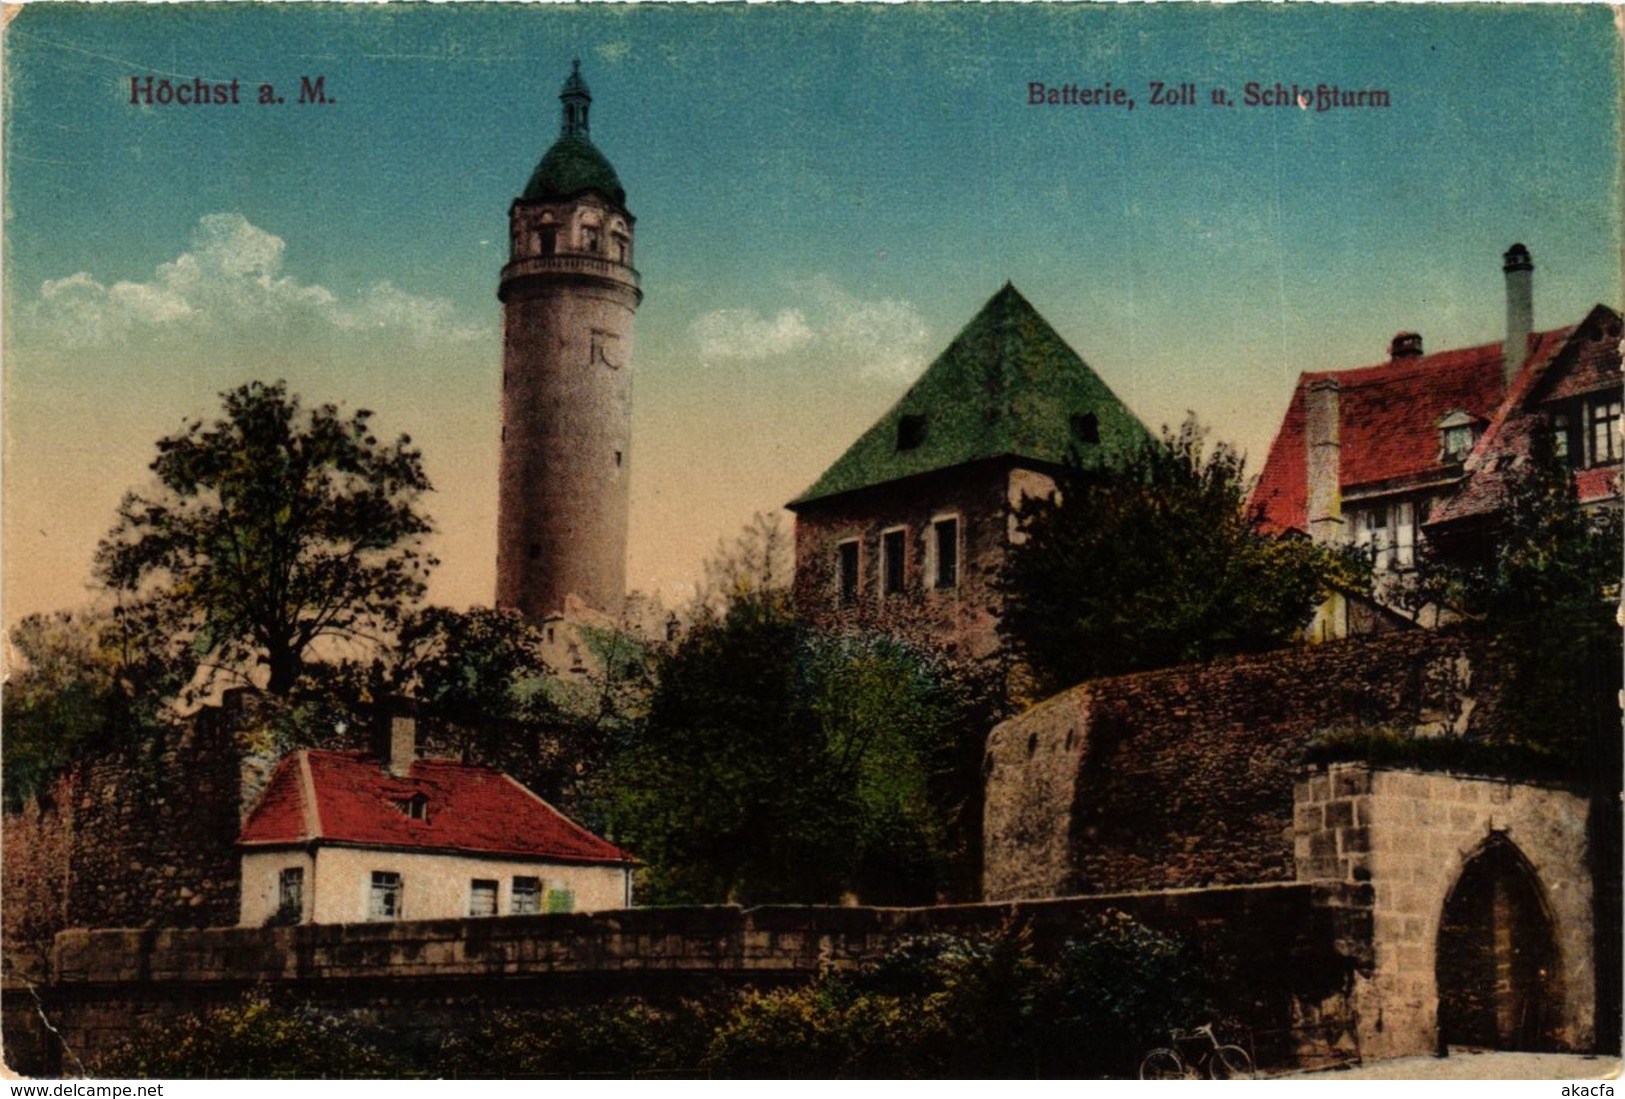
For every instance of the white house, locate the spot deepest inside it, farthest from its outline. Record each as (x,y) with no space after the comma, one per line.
(344,837)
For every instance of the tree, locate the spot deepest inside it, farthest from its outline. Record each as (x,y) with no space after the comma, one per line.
(1542,585)
(77,681)
(1156,562)
(758,565)
(268,530)
(778,763)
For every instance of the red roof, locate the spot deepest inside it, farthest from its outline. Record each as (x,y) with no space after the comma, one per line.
(349,797)
(1389,433)
(1566,362)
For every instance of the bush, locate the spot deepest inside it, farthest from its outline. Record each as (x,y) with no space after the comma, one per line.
(254,1039)
(622,1039)
(1114,993)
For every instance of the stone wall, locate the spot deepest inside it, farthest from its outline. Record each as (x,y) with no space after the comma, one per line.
(1288,955)
(1184,777)
(1411,836)
(963,620)
(139,836)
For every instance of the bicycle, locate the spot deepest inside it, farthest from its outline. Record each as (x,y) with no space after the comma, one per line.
(1216,1061)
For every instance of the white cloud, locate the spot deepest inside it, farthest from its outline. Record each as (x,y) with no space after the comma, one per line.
(883,337)
(745,334)
(231,277)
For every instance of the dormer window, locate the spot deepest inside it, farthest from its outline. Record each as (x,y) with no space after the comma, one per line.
(1456,436)
(1086,428)
(416,806)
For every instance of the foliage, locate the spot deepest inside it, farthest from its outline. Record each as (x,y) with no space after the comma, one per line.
(1114,992)
(1156,562)
(780,764)
(757,567)
(625,1038)
(973,1006)
(467,666)
(1382,746)
(75,682)
(254,1039)
(1543,587)
(267,530)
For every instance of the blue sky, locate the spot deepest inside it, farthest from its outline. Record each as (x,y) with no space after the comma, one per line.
(825,194)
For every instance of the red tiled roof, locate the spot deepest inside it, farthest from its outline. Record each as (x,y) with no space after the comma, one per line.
(348,797)
(1563,363)
(1389,431)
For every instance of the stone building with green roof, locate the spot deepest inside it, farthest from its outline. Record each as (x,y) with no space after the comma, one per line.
(908,530)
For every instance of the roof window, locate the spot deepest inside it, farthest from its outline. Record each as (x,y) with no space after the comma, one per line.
(1086,428)
(910,431)
(416,806)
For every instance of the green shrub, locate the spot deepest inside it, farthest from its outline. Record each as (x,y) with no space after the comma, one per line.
(254,1039)
(1115,992)
(623,1039)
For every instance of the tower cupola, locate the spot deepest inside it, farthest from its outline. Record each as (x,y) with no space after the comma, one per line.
(573,165)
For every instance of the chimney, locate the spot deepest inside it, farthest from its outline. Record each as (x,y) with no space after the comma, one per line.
(395,740)
(1321,432)
(1520,274)
(1406,345)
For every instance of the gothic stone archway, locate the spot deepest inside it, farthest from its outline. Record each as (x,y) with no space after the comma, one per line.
(1498,965)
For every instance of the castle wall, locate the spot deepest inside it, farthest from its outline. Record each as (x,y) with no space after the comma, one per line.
(1276,946)
(1184,777)
(963,619)
(138,836)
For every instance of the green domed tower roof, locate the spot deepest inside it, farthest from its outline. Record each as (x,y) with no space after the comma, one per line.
(571,167)
(574,166)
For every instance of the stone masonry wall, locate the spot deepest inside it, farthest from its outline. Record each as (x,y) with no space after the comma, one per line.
(139,836)
(1410,835)
(1288,954)
(1184,777)
(962,620)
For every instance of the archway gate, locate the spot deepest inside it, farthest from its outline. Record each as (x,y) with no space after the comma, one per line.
(1481,905)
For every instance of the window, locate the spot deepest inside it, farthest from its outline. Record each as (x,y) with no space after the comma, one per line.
(416,806)
(384,901)
(547,242)
(1562,445)
(910,431)
(1458,442)
(291,892)
(847,566)
(893,545)
(1404,517)
(1086,428)
(1605,440)
(945,553)
(1388,533)
(589,238)
(482,897)
(527,896)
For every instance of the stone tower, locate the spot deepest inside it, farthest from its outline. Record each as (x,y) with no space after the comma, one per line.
(569,293)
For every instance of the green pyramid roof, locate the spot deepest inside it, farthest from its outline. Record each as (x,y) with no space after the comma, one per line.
(1007,386)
